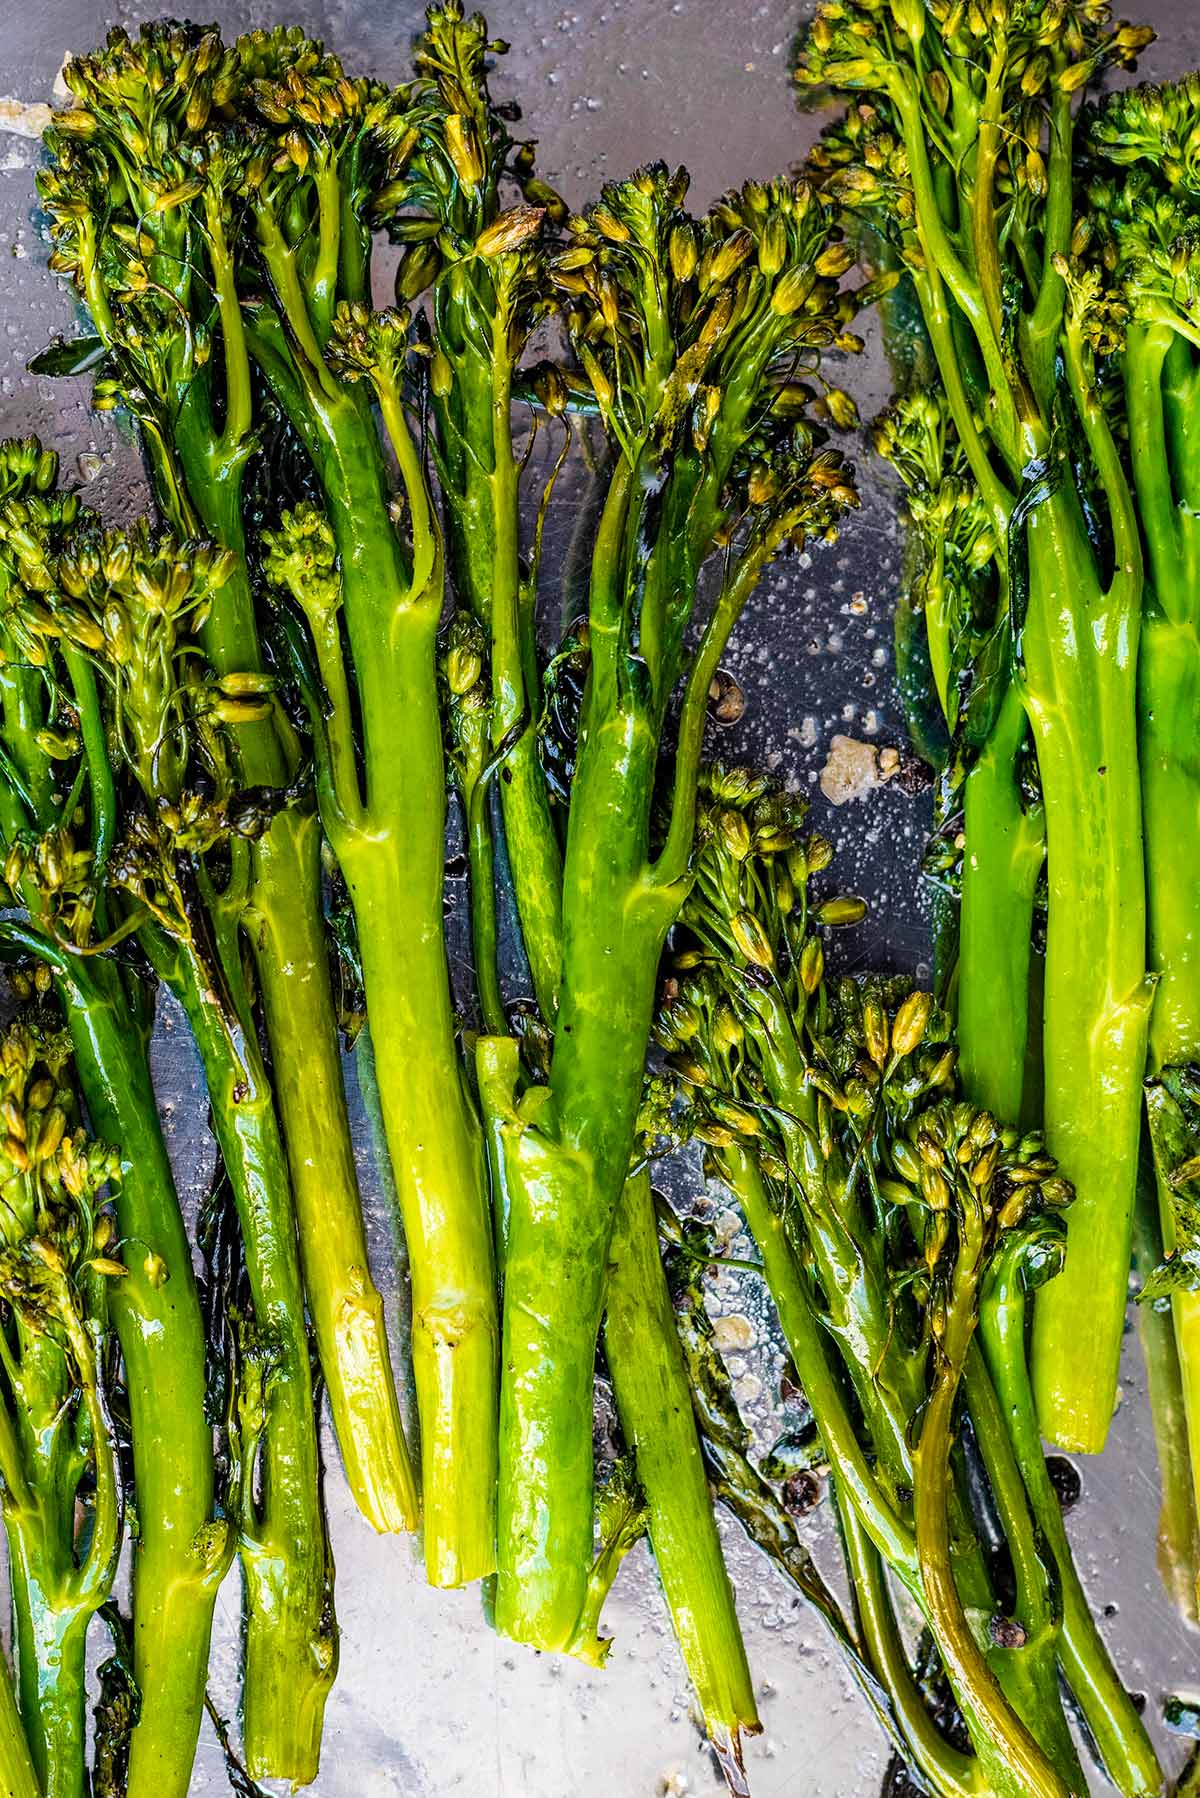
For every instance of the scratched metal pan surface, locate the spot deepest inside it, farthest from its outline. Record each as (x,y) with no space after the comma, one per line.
(429,1703)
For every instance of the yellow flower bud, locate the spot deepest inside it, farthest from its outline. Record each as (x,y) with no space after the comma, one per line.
(751,939)
(911,1022)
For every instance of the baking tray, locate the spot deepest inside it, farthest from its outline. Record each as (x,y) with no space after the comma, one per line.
(428,1702)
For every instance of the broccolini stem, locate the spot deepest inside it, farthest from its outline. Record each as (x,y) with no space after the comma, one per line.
(1080,645)
(534,854)
(392,855)
(654,1401)
(1178,1528)
(394,872)
(948,1771)
(62,1428)
(17,1776)
(856,1478)
(936,314)
(1145,357)
(1169,679)
(436,1155)
(481,859)
(292,963)
(286,929)
(1114,1724)
(845,1257)
(179,1553)
(101,787)
(987,1705)
(1040,330)
(291,1647)
(1029,1669)
(51,1645)
(558,1238)
(1160,401)
(1020,1768)
(1002,860)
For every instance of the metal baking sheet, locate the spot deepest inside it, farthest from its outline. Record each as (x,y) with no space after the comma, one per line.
(429,1703)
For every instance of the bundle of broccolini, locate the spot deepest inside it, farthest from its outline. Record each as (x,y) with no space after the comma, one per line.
(104,622)
(49,724)
(899,1228)
(959,146)
(150,191)
(1051,253)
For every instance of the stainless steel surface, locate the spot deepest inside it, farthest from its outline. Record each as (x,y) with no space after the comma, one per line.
(429,1702)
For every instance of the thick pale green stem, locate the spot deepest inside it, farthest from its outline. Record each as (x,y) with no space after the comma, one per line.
(394,868)
(392,852)
(654,1400)
(1001,863)
(436,1153)
(286,928)
(292,961)
(1080,647)
(562,1207)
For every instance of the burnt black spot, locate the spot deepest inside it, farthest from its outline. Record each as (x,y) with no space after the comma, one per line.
(1066,1480)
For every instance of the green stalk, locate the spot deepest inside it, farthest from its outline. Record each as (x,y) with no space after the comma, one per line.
(47,1447)
(654,1401)
(1001,865)
(344,1303)
(617,907)
(1027,1772)
(482,491)
(1114,1724)
(17,1776)
(394,871)
(437,1157)
(1032,1673)
(291,1650)
(1080,647)
(641,1341)
(949,1772)
(1169,681)
(994,1724)
(1178,1530)
(1161,394)
(285,925)
(855,1474)
(562,1208)
(180,1553)
(534,854)
(51,1649)
(390,845)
